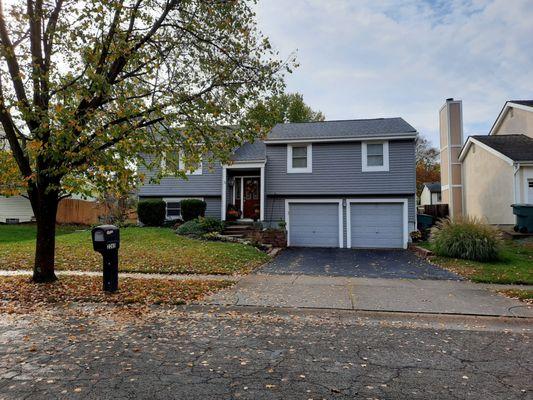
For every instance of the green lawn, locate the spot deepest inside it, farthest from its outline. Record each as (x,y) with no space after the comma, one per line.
(154,250)
(514,266)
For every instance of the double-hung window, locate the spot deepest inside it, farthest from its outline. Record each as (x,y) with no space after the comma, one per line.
(299,158)
(173,206)
(190,168)
(375,156)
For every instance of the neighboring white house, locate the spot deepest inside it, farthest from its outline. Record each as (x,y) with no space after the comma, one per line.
(430,194)
(15,209)
(485,175)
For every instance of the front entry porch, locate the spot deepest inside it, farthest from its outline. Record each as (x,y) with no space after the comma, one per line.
(243,191)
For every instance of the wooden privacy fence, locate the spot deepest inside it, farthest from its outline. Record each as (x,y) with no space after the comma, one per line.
(437,211)
(71,211)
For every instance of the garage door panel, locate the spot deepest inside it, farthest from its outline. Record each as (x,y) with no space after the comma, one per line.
(376,225)
(314,224)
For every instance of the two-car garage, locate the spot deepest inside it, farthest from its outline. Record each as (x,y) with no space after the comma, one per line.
(352,223)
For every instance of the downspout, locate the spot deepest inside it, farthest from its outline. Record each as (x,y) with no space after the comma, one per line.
(516,168)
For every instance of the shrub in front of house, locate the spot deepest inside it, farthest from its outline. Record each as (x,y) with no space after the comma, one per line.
(210,224)
(151,212)
(200,226)
(192,208)
(467,238)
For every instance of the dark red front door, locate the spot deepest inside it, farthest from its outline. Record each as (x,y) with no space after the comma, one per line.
(251,201)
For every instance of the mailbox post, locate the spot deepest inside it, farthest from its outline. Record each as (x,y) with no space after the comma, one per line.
(106,241)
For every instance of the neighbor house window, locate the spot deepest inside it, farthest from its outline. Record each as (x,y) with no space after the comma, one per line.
(174,206)
(375,156)
(300,158)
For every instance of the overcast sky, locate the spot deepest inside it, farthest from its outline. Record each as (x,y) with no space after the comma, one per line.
(385,58)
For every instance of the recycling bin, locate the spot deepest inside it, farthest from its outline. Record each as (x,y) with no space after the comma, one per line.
(524,217)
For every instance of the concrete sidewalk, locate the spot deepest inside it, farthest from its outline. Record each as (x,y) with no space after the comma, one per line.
(396,295)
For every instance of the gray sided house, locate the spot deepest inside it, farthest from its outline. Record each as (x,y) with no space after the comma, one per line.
(348,184)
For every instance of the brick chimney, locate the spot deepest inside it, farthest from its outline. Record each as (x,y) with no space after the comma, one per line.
(451,141)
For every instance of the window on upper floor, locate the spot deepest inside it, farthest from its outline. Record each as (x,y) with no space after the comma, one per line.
(190,168)
(299,158)
(375,156)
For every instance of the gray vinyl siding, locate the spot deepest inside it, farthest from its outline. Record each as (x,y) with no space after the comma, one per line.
(207,184)
(212,204)
(337,169)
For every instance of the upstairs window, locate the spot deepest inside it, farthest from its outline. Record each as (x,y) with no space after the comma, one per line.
(375,156)
(299,158)
(190,169)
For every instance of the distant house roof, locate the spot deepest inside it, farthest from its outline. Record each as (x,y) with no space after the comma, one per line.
(518,148)
(523,104)
(434,187)
(342,129)
(255,151)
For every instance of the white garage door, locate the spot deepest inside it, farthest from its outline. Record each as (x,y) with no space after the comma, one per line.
(314,224)
(376,225)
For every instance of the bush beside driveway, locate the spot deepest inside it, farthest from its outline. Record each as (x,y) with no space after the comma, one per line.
(514,265)
(148,250)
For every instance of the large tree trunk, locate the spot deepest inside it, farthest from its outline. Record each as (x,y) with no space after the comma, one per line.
(43,269)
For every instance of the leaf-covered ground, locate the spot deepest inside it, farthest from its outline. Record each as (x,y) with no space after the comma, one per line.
(515,265)
(150,250)
(520,294)
(19,292)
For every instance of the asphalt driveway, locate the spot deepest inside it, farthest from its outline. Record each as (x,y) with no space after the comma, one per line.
(391,264)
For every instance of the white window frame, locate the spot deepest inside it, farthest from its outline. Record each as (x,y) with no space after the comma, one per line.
(181,166)
(364,157)
(300,170)
(176,200)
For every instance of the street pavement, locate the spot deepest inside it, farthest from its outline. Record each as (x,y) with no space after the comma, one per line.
(106,352)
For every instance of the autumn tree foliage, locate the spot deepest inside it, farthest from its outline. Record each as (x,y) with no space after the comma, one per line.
(88,86)
(283,108)
(427,163)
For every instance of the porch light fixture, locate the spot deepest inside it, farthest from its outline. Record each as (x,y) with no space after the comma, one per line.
(231,182)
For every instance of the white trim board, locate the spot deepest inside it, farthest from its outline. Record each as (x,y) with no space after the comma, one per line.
(405,203)
(309,201)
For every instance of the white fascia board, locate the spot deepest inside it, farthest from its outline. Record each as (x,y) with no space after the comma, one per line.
(244,164)
(342,139)
(471,141)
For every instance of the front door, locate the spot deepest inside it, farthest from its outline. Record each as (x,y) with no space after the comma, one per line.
(251,201)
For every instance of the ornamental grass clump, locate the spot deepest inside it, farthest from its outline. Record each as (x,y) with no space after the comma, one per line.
(467,238)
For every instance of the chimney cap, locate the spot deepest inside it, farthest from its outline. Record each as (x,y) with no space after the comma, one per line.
(449,99)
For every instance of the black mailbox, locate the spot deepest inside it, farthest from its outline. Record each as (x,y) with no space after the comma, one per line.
(106,241)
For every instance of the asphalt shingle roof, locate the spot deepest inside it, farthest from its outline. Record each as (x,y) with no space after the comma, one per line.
(516,147)
(434,187)
(255,151)
(341,129)
(523,102)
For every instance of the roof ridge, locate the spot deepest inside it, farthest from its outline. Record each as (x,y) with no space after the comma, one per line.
(339,120)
